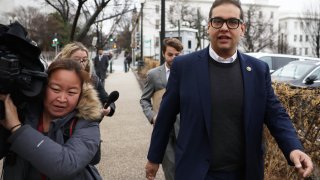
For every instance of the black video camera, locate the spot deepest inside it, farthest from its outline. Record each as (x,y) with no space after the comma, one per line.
(22,74)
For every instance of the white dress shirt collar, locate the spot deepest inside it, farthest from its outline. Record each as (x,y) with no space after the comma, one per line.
(167,71)
(219,59)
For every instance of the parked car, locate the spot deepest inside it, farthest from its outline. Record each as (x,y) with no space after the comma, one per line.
(276,61)
(301,73)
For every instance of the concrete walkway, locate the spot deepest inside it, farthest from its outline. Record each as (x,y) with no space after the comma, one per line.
(126,135)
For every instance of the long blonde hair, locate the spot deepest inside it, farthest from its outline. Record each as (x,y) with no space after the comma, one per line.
(71,48)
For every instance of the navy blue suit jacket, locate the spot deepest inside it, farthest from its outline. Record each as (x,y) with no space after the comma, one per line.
(188,92)
(101,66)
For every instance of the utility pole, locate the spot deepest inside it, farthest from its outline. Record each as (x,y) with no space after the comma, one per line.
(179,36)
(162,32)
(55,43)
(141,36)
(203,24)
(282,52)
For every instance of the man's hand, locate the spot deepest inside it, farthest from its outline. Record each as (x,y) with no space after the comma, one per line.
(151,170)
(302,163)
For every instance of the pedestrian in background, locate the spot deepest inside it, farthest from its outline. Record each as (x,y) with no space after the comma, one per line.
(129,60)
(35,145)
(101,63)
(224,97)
(77,51)
(125,61)
(153,90)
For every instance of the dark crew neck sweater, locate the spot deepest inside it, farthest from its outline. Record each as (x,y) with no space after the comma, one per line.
(227,116)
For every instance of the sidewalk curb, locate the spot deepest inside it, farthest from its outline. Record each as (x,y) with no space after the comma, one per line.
(139,79)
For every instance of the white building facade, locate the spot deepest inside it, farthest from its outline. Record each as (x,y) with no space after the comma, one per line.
(152,26)
(285,28)
(299,32)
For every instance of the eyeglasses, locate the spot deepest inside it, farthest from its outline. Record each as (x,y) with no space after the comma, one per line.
(232,23)
(81,60)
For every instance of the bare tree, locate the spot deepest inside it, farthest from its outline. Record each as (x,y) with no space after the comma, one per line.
(62,7)
(66,7)
(120,18)
(283,45)
(259,32)
(99,6)
(311,20)
(76,18)
(36,23)
(125,34)
(87,13)
(185,15)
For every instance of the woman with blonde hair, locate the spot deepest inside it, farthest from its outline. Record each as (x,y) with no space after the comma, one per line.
(77,51)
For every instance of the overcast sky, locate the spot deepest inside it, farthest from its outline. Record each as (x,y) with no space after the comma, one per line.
(286,5)
(291,5)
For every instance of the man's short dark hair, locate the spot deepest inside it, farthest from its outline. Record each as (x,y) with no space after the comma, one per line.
(220,2)
(172,42)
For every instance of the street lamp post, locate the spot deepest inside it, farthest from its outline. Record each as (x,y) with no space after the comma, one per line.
(55,42)
(282,43)
(162,32)
(179,36)
(141,61)
(203,24)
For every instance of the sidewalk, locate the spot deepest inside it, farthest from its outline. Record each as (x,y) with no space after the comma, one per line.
(126,135)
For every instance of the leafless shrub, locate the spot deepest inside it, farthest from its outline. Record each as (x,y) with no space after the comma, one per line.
(303,107)
(148,64)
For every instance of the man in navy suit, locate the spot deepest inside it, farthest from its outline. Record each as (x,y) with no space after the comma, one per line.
(224,97)
(101,63)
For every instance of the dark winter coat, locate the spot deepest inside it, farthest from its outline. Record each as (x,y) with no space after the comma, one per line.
(51,154)
(101,66)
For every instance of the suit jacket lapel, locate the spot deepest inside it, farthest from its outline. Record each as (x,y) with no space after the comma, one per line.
(202,71)
(248,79)
(163,75)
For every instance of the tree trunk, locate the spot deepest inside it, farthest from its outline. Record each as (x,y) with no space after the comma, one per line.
(75,20)
(91,20)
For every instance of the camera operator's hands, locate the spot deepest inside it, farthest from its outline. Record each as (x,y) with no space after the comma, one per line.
(11,122)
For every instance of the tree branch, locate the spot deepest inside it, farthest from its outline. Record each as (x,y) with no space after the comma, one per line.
(76,18)
(91,20)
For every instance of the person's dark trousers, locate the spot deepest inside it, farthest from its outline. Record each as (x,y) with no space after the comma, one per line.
(220,175)
(125,67)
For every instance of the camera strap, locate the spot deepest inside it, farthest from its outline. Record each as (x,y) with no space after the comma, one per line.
(72,126)
(69,129)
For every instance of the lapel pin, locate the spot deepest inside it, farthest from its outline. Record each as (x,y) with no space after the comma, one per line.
(248,68)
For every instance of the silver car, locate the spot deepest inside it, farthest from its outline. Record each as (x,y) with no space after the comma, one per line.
(276,61)
(302,73)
